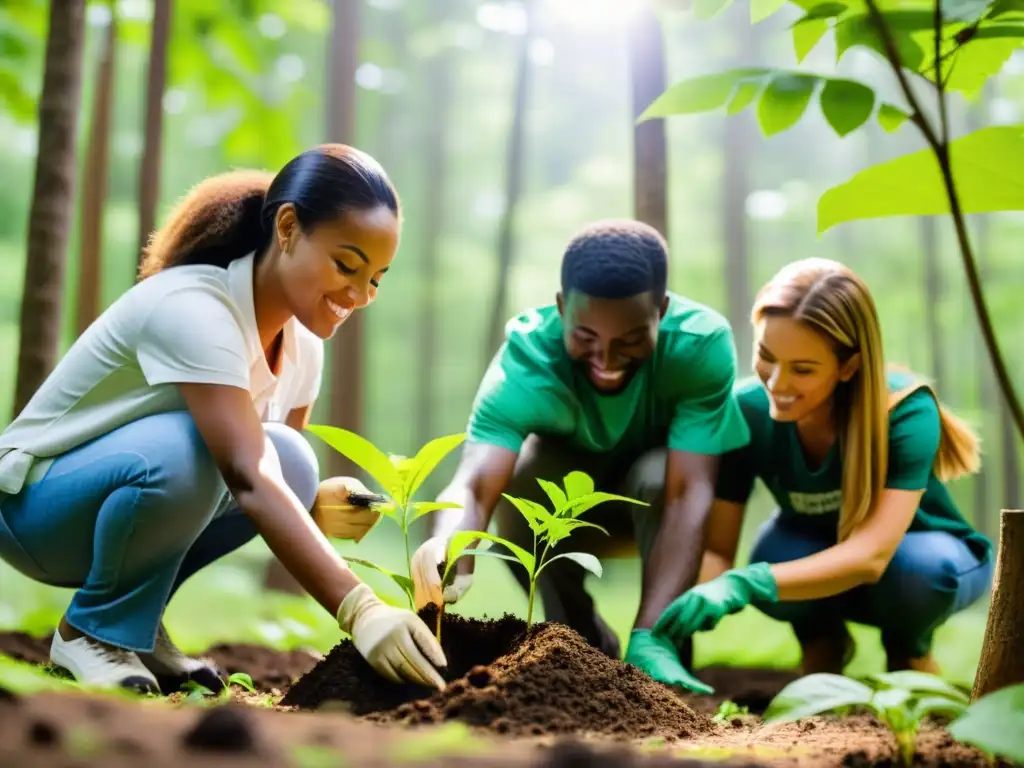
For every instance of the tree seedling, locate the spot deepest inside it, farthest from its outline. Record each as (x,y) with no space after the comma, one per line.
(901,700)
(400,477)
(200,694)
(548,528)
(994,724)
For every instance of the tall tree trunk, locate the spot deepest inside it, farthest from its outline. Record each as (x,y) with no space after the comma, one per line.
(156,83)
(52,197)
(932,295)
(513,187)
(1002,662)
(737,137)
(348,352)
(94,187)
(439,88)
(650,148)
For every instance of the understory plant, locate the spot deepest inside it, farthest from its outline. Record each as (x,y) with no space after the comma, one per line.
(549,527)
(900,700)
(400,477)
(994,724)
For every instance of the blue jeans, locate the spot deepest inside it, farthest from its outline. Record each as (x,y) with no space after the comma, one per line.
(129,516)
(931,576)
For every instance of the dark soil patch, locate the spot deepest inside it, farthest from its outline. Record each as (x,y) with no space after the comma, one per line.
(546,681)
(25,647)
(751,688)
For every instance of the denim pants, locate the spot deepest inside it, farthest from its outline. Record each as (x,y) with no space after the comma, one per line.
(126,518)
(931,576)
(561,585)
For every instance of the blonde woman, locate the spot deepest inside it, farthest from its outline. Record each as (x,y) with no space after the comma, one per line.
(856,458)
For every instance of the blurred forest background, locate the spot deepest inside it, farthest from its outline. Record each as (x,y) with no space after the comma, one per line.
(506,126)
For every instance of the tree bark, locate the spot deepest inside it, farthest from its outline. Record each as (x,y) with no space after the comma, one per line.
(156,83)
(94,187)
(650,148)
(513,188)
(1002,662)
(439,75)
(52,198)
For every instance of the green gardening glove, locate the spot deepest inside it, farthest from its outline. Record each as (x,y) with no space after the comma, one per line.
(656,656)
(701,608)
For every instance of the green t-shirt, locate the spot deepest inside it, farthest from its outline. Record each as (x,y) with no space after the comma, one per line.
(813,497)
(681,397)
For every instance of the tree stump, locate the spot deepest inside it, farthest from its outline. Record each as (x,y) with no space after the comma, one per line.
(1002,652)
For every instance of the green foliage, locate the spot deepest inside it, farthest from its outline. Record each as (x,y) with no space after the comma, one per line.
(727,710)
(994,723)
(911,185)
(400,477)
(548,529)
(203,696)
(901,700)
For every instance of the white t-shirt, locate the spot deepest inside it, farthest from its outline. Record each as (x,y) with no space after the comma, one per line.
(189,324)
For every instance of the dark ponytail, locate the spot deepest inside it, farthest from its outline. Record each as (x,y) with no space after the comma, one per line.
(230,215)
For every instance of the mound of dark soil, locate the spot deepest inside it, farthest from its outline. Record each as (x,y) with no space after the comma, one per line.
(545,681)
(269,669)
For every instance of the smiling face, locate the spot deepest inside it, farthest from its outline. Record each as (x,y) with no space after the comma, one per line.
(336,267)
(610,339)
(798,367)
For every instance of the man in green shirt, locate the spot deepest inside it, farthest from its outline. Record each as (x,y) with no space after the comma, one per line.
(625,381)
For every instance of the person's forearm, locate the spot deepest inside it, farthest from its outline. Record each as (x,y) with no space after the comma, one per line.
(469,516)
(293,537)
(675,558)
(830,572)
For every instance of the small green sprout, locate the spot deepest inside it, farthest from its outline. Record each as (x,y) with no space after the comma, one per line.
(901,700)
(400,477)
(200,694)
(727,710)
(548,528)
(994,724)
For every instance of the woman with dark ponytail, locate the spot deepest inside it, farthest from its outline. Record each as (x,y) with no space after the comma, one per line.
(167,435)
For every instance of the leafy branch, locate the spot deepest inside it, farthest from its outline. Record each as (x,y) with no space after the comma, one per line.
(939,140)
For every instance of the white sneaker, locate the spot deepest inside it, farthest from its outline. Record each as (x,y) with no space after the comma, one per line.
(97,664)
(173,667)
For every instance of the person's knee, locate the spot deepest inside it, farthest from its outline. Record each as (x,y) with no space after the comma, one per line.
(778,541)
(299,465)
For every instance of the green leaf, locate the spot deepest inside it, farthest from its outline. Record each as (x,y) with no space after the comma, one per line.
(429,456)
(816,694)
(967,11)
(762,9)
(744,95)
(859,30)
(458,543)
(919,682)
(242,680)
(983,165)
(994,723)
(577,484)
(581,504)
(999,31)
(806,36)
(784,101)
(556,494)
(488,553)
(585,559)
(823,11)
(699,94)
(421,508)
(708,9)
(535,515)
(891,117)
(846,104)
(890,700)
(402,581)
(973,64)
(364,454)
(937,705)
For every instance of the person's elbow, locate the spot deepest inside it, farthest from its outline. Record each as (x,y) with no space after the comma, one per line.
(876,563)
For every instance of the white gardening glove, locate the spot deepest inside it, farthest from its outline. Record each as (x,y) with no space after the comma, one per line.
(335,516)
(426,579)
(394,641)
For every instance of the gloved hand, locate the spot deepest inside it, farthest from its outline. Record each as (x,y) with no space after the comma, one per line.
(701,608)
(427,587)
(335,516)
(395,641)
(655,655)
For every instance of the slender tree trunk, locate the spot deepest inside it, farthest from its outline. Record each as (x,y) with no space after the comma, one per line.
(439,88)
(347,353)
(156,83)
(932,295)
(94,188)
(1002,662)
(650,148)
(513,187)
(52,198)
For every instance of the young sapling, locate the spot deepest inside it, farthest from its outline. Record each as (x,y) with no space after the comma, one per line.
(400,477)
(548,527)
